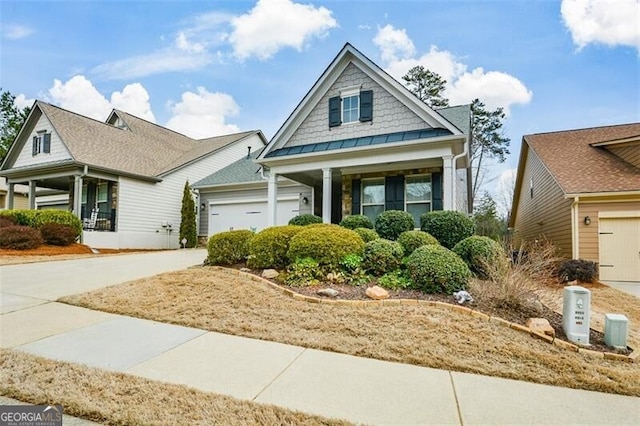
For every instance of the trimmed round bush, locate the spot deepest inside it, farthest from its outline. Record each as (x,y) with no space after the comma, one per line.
(305,219)
(20,237)
(21,217)
(411,240)
(391,223)
(269,247)
(229,247)
(327,245)
(356,221)
(37,218)
(480,254)
(367,234)
(448,227)
(382,256)
(436,269)
(57,234)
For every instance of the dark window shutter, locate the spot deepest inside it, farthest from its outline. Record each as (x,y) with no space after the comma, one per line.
(366,105)
(355,196)
(394,193)
(34,146)
(334,111)
(436,191)
(46,144)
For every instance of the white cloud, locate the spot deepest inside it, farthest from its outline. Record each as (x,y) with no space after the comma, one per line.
(203,114)
(608,22)
(272,25)
(79,95)
(494,88)
(22,102)
(16,32)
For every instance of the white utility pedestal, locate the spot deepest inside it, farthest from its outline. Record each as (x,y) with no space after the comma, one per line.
(576,309)
(616,329)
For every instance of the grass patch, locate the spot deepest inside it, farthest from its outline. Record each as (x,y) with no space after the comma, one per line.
(121,399)
(215,300)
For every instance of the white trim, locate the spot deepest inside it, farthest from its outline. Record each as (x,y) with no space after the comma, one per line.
(350,91)
(600,194)
(614,215)
(575,229)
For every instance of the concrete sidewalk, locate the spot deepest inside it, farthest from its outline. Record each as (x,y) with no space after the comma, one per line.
(357,389)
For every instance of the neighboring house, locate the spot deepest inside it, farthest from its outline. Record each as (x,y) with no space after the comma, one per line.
(20,195)
(236,198)
(581,190)
(366,144)
(124,177)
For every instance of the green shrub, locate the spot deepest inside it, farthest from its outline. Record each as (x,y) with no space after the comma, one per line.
(57,234)
(480,254)
(448,227)
(436,269)
(381,256)
(326,244)
(305,219)
(367,234)
(396,280)
(229,247)
(391,223)
(20,237)
(269,247)
(578,269)
(352,271)
(411,240)
(21,217)
(37,218)
(302,272)
(351,262)
(356,221)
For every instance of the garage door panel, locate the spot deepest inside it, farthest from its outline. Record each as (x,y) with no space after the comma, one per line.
(619,246)
(253,216)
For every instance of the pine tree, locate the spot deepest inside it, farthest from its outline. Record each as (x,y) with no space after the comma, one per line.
(427,85)
(188,222)
(11,120)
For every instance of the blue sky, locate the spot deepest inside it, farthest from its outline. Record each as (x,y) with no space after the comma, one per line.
(206,68)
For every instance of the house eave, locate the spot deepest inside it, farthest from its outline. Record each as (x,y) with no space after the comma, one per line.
(25,172)
(602,194)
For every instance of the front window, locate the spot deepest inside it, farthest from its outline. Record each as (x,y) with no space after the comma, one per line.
(102,197)
(372,197)
(350,109)
(418,196)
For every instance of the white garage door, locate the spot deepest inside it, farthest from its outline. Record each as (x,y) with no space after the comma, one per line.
(619,243)
(249,215)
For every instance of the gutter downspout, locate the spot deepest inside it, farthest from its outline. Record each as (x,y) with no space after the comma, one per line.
(575,231)
(465,151)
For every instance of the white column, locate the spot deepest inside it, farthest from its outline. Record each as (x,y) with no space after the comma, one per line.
(77,196)
(32,195)
(326,195)
(272,199)
(10,195)
(448,202)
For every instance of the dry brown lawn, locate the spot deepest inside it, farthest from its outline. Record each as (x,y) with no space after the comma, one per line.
(222,301)
(48,253)
(120,399)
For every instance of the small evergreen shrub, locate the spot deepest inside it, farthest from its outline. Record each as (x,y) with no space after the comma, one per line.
(480,253)
(367,234)
(20,237)
(22,217)
(351,262)
(396,280)
(57,216)
(578,269)
(188,227)
(448,227)
(381,256)
(57,234)
(352,271)
(305,219)
(229,247)
(269,247)
(303,272)
(436,269)
(325,244)
(356,221)
(411,240)
(391,223)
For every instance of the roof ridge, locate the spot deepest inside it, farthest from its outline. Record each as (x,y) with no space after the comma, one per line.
(39,102)
(227,135)
(583,129)
(153,124)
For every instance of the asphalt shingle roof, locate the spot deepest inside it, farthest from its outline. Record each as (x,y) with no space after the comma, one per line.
(579,167)
(244,170)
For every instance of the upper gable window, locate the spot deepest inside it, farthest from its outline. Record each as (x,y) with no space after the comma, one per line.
(351,106)
(41,143)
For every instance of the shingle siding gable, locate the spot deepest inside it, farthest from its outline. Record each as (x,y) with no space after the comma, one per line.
(389,114)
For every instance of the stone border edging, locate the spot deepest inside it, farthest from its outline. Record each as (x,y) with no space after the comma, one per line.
(632,358)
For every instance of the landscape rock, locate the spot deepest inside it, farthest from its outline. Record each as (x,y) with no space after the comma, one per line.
(245,270)
(269,273)
(541,325)
(462,297)
(377,293)
(329,292)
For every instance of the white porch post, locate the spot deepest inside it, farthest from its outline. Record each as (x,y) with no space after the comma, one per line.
(448,202)
(77,196)
(32,195)
(10,195)
(272,199)
(326,195)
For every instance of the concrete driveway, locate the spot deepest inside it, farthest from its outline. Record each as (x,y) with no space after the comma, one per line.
(632,288)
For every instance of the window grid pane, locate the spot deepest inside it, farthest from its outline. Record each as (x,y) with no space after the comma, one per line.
(350,109)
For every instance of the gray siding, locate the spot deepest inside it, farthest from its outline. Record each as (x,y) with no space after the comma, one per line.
(546,214)
(389,114)
(630,154)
